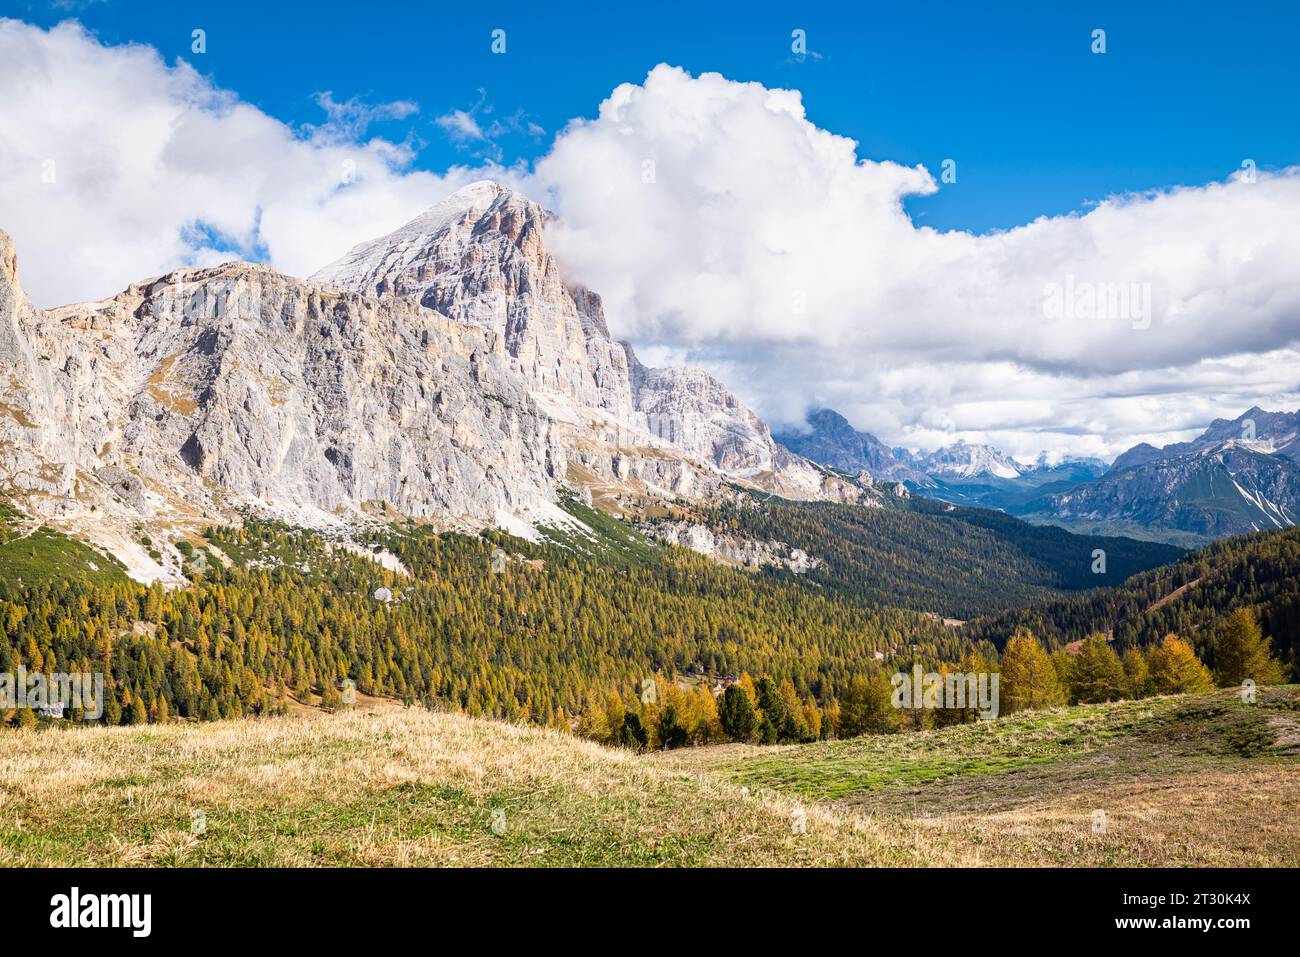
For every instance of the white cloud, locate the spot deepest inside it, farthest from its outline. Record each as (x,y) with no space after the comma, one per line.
(461,127)
(766,246)
(117,166)
(468,132)
(763,247)
(351,118)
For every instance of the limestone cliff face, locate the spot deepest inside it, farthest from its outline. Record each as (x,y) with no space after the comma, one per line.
(29,404)
(237,385)
(480,257)
(731,549)
(446,371)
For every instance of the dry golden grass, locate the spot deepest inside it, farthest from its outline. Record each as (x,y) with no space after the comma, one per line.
(1207,781)
(1216,819)
(392,787)
(1181,782)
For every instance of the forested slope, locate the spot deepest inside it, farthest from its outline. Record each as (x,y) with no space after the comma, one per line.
(292,619)
(932,556)
(1260,571)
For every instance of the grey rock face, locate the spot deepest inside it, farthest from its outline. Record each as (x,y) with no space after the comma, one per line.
(238,385)
(30,452)
(480,257)
(446,371)
(693,410)
(746,552)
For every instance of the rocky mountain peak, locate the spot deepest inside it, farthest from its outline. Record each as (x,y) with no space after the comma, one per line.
(445,371)
(965,459)
(830,439)
(235,386)
(480,257)
(404,262)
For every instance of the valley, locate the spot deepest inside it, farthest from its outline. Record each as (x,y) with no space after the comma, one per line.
(368,559)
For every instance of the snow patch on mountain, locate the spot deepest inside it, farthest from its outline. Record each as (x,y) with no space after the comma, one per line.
(966,460)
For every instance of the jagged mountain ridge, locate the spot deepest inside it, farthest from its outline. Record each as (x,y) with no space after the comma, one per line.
(966,460)
(1239,475)
(469,398)
(831,440)
(1208,492)
(1276,433)
(480,257)
(962,473)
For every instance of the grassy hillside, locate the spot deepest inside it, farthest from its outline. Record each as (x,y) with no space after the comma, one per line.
(386,786)
(32,552)
(1183,781)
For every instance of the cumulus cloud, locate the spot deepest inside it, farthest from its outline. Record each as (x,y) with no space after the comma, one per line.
(479,137)
(117,166)
(719,225)
(756,241)
(351,118)
(461,127)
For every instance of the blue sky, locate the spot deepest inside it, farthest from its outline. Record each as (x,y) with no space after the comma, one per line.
(1092,172)
(1037,123)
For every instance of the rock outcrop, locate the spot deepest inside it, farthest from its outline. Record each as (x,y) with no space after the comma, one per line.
(237,386)
(732,549)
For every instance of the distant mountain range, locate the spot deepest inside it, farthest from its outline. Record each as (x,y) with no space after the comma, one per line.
(963,460)
(831,440)
(1240,475)
(1268,432)
(963,473)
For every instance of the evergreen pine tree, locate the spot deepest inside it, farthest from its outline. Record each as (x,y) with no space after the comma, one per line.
(634,735)
(737,714)
(770,703)
(671,730)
